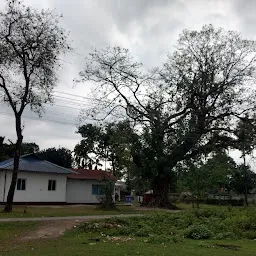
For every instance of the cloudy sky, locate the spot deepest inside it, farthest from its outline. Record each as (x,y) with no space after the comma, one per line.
(149,28)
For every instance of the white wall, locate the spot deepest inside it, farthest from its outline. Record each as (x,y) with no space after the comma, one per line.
(36,187)
(80,191)
(2,174)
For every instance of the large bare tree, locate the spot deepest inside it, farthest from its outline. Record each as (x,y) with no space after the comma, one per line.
(187,107)
(30,43)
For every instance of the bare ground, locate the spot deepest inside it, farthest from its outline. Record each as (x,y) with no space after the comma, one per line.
(50,229)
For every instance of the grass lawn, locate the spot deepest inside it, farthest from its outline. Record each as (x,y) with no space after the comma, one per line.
(209,231)
(75,243)
(10,231)
(32,211)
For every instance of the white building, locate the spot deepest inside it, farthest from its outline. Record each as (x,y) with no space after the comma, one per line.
(42,182)
(85,186)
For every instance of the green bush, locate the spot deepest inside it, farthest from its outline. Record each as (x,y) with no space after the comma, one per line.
(225,235)
(197,232)
(161,239)
(144,231)
(215,223)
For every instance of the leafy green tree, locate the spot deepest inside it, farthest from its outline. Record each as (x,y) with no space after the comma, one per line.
(243,180)
(219,169)
(187,107)
(7,150)
(60,156)
(210,177)
(107,201)
(111,144)
(30,43)
(246,143)
(246,135)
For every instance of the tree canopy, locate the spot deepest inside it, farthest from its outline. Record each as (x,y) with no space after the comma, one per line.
(110,144)
(30,43)
(188,107)
(7,149)
(60,156)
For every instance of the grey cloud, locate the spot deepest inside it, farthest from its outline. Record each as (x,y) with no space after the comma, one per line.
(127,11)
(149,28)
(245,10)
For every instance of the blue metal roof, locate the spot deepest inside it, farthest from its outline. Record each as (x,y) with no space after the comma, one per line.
(33,163)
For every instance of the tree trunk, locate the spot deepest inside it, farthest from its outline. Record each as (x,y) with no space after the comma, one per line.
(161,194)
(245,182)
(197,199)
(246,199)
(16,160)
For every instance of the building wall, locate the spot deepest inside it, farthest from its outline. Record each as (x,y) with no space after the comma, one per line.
(2,181)
(80,191)
(36,187)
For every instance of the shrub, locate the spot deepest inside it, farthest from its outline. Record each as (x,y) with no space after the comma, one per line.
(225,235)
(233,202)
(144,231)
(198,232)
(216,223)
(160,239)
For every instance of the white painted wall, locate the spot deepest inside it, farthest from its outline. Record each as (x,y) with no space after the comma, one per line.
(36,187)
(80,191)
(2,173)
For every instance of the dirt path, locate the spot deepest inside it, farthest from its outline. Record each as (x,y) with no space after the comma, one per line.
(49,230)
(53,227)
(90,217)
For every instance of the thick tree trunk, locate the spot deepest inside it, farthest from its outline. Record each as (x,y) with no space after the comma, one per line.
(161,194)
(9,202)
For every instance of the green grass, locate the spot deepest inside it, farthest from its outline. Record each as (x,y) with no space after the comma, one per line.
(231,233)
(77,244)
(9,232)
(18,211)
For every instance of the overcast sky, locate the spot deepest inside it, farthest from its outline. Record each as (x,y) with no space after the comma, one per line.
(149,28)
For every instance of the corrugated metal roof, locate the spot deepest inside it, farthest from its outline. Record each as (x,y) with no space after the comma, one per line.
(33,163)
(84,174)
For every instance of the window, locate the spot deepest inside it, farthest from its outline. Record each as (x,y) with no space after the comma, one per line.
(51,185)
(97,190)
(21,184)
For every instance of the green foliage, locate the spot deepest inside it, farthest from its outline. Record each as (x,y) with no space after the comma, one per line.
(214,223)
(106,201)
(245,132)
(233,202)
(243,179)
(60,156)
(162,239)
(209,177)
(111,143)
(144,231)
(198,232)
(186,108)
(7,149)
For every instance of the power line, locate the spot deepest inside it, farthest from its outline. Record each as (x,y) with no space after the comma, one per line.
(39,119)
(79,96)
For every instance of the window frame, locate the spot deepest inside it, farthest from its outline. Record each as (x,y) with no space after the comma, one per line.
(100,191)
(52,184)
(19,186)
